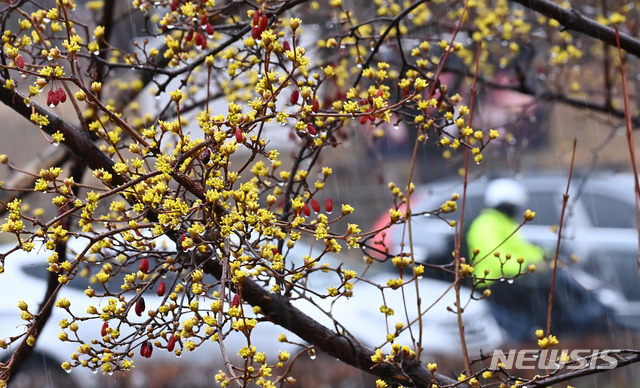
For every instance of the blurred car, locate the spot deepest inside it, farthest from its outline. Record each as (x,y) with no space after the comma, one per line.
(26,275)
(599,231)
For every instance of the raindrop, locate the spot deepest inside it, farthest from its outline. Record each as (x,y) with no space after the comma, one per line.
(110,373)
(510,281)
(536,356)
(46,20)
(54,144)
(171,26)
(372,49)
(157,97)
(49,58)
(27,103)
(502,279)
(94,371)
(329,24)
(178,355)
(359,65)
(428,215)
(96,52)
(533,119)
(313,356)
(396,127)
(419,277)
(342,47)
(68,370)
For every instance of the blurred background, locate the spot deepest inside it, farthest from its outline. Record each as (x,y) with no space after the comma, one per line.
(535,145)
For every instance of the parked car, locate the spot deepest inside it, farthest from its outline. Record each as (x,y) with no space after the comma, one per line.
(25,279)
(599,230)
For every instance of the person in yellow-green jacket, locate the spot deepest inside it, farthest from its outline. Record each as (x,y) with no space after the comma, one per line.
(493,226)
(520,304)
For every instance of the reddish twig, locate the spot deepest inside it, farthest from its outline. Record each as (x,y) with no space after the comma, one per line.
(565,199)
(627,117)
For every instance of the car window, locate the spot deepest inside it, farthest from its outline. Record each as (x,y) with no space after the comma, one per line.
(608,212)
(472,208)
(547,206)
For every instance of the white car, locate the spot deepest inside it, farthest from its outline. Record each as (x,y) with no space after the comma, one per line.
(25,279)
(600,229)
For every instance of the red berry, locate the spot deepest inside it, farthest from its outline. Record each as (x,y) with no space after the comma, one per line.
(294,96)
(236,301)
(174,5)
(55,99)
(140,306)
(255,32)
(312,129)
(172,343)
(182,238)
(256,18)
(144,265)
(201,40)
(315,105)
(209,29)
(20,61)
(286,46)
(146,349)
(161,288)
(329,205)
(105,326)
(206,156)
(239,136)
(62,95)
(189,36)
(306,210)
(315,205)
(204,20)
(363,119)
(50,98)
(263,23)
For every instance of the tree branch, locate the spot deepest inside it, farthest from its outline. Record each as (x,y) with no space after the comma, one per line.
(573,20)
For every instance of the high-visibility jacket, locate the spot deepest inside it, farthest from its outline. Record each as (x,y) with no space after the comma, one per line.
(486,233)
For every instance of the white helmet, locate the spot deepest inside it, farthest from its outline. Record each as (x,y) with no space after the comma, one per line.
(505,191)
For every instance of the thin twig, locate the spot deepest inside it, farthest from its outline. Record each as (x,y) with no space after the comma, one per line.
(565,199)
(630,143)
